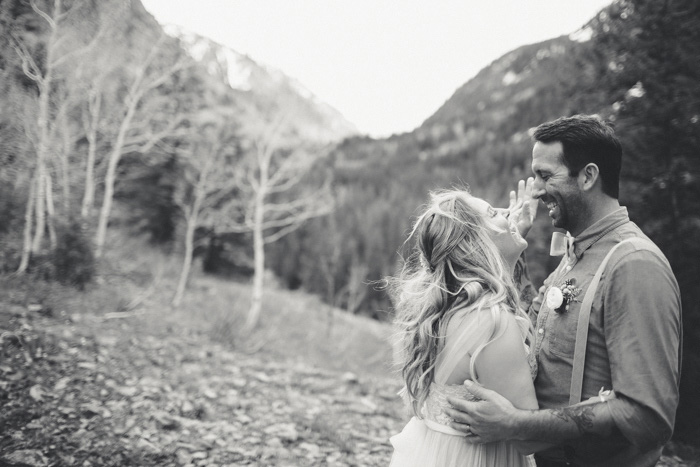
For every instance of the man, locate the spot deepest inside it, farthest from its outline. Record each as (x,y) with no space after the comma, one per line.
(634,333)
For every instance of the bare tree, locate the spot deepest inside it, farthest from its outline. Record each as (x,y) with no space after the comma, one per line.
(90,116)
(207,168)
(60,50)
(355,291)
(98,80)
(134,135)
(274,200)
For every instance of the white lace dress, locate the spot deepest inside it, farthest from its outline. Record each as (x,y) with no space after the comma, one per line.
(430,441)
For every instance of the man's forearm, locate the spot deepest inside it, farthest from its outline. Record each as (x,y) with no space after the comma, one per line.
(521,277)
(562,424)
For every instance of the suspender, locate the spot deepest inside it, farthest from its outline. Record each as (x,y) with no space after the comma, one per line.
(584,317)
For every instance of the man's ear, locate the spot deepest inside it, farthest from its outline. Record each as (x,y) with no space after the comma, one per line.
(588,176)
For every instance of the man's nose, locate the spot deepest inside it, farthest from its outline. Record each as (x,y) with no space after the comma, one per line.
(538,189)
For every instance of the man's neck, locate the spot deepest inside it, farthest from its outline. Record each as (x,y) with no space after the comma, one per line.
(600,208)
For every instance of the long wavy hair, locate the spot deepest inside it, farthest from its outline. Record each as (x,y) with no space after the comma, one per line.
(454,265)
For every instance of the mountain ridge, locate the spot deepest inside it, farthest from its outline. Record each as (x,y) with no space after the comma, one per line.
(250,80)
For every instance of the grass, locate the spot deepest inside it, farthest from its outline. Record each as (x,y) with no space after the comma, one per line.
(293,326)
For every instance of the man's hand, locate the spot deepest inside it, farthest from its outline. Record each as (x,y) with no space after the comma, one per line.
(484,421)
(537,301)
(522,207)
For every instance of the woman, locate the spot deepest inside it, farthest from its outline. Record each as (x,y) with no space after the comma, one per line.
(459,318)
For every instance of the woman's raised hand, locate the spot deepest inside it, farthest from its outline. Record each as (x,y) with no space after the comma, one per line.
(523,207)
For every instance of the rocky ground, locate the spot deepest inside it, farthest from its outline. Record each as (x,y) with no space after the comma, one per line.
(134,389)
(111,390)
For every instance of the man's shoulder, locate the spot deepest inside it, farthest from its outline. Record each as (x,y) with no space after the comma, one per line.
(633,244)
(638,257)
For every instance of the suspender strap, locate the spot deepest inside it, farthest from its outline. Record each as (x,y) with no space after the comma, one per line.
(584,317)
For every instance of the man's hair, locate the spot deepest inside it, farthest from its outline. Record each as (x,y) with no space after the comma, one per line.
(586,139)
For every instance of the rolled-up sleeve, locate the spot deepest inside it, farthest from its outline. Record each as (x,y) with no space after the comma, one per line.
(643,334)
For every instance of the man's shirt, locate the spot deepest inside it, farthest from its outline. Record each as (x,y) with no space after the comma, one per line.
(633,341)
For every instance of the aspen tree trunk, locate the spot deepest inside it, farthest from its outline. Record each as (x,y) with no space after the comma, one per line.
(192,218)
(65,167)
(91,134)
(50,211)
(259,255)
(27,246)
(189,251)
(44,85)
(259,242)
(114,157)
(41,153)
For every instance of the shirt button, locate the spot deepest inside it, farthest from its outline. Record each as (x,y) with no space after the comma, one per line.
(541,331)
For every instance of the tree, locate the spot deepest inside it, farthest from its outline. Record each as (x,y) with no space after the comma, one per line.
(647,70)
(156,123)
(99,93)
(273,199)
(207,163)
(48,65)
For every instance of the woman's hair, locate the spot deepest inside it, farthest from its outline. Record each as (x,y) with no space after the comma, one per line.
(455,265)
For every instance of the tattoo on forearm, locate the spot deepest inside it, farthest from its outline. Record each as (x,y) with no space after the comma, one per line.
(521,276)
(581,416)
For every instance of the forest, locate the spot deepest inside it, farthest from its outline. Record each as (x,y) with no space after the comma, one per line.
(111,126)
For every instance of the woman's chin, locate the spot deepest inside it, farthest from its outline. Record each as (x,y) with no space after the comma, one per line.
(522,244)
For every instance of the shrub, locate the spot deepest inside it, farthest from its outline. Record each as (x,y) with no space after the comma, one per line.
(73,259)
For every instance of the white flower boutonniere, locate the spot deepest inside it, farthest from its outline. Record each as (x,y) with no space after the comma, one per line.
(558,299)
(554,298)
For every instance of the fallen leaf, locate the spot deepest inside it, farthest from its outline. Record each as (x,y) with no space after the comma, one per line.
(61,383)
(27,457)
(36,393)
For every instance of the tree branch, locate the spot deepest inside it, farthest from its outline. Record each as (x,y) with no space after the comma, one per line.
(294,218)
(43,14)
(27,61)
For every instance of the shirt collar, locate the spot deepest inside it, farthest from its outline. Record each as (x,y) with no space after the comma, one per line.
(596,231)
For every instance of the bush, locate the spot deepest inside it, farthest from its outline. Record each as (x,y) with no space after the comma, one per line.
(73,259)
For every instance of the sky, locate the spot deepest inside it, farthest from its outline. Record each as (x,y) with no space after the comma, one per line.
(386,65)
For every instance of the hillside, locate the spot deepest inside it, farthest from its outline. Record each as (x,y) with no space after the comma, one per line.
(115,376)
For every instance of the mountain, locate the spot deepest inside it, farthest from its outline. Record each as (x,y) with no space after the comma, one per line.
(263,89)
(478,138)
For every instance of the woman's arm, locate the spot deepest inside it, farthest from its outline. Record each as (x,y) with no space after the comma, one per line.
(502,366)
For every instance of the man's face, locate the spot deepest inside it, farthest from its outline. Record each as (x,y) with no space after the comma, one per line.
(558,191)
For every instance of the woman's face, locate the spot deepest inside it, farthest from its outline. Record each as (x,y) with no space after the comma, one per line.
(503,233)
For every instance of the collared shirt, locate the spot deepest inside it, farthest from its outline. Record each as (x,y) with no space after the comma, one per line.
(633,342)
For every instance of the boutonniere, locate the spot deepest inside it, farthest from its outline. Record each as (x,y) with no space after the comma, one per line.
(559,298)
